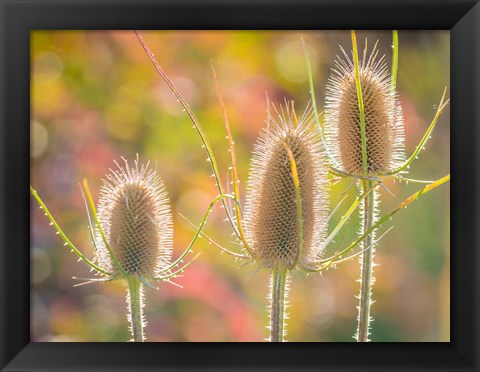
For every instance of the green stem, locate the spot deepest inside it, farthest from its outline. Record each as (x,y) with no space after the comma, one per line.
(361,108)
(314,105)
(135,299)
(278,302)
(394,59)
(366,275)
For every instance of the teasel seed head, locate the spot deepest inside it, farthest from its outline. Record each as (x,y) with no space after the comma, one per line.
(135,215)
(384,128)
(271,222)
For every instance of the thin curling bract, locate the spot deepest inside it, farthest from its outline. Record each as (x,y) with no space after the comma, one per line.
(132,233)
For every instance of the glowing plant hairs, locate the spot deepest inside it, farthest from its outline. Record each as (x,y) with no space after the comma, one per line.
(134,212)
(363,135)
(271,215)
(366,136)
(135,215)
(283,225)
(382,121)
(278,197)
(133,235)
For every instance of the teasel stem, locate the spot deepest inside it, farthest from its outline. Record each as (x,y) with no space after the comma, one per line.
(367,218)
(366,274)
(394,59)
(136,308)
(278,302)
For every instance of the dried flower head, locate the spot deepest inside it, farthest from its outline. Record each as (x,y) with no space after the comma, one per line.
(135,215)
(272,228)
(384,129)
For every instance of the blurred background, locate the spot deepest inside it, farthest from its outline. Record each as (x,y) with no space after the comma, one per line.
(95,97)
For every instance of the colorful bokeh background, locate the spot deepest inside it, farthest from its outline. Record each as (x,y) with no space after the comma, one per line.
(95,97)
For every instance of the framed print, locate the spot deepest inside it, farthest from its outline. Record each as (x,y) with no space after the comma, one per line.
(213,179)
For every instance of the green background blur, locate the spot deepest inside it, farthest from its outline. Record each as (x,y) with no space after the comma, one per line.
(96,97)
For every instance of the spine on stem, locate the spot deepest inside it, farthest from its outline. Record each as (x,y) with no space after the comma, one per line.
(286,203)
(135,307)
(278,302)
(364,122)
(368,218)
(135,241)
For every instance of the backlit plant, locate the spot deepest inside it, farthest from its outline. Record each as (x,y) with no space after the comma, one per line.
(283,225)
(363,135)
(132,232)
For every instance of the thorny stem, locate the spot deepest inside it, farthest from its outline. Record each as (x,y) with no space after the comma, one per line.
(135,302)
(366,276)
(233,157)
(278,302)
(198,128)
(367,218)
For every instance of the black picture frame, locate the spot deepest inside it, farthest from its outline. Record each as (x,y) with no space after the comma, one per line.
(19,17)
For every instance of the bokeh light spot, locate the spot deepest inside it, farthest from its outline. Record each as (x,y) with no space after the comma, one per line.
(41,266)
(48,68)
(38,139)
(290,61)
(124,121)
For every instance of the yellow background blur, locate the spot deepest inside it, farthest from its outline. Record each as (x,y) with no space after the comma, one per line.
(96,97)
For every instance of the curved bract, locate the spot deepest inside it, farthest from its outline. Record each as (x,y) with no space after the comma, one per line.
(133,235)
(383,119)
(271,220)
(283,225)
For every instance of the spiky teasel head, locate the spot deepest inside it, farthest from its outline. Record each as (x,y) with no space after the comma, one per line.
(271,220)
(135,215)
(384,129)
